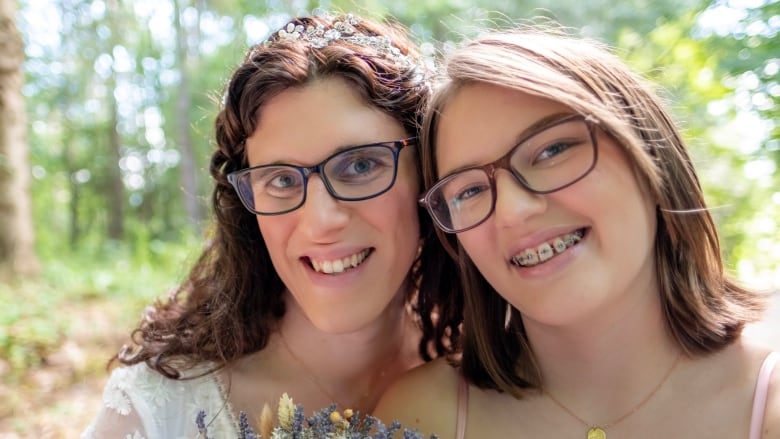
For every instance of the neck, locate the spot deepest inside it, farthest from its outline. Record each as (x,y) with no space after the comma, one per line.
(353,368)
(615,358)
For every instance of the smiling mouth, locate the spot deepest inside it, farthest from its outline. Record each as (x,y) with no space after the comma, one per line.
(531,257)
(337,266)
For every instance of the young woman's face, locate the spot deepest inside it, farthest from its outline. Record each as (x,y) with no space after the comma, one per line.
(605,221)
(343,261)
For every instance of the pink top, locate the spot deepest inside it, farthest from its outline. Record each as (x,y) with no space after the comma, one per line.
(463,405)
(756,421)
(760,395)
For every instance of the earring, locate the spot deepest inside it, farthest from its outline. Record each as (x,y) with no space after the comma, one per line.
(508,316)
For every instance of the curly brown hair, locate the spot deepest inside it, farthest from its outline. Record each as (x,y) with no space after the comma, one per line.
(232,299)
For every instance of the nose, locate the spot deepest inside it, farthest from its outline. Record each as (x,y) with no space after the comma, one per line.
(321,214)
(514,203)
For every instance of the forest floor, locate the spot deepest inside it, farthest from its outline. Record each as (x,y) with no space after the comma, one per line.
(61,396)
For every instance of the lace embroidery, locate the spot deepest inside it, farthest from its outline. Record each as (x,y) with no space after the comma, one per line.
(152,405)
(223,393)
(117,400)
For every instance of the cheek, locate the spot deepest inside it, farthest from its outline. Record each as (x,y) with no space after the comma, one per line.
(405,219)
(275,234)
(479,248)
(620,207)
(406,190)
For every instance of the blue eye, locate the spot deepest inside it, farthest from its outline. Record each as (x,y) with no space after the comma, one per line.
(283,181)
(359,166)
(279,183)
(553,150)
(470,193)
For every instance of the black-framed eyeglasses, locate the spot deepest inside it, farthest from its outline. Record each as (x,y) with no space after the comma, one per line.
(547,160)
(353,174)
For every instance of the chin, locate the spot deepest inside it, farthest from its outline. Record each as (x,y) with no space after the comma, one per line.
(342,324)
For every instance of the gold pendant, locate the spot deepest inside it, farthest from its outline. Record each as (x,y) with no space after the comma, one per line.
(597,433)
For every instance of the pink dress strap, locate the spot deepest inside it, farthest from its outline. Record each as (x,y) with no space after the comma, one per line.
(463,404)
(761,394)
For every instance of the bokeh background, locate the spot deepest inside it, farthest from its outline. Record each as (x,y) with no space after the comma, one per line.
(104,186)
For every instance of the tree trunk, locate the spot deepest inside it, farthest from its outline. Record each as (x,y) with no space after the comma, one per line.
(116,189)
(187,167)
(115,192)
(74,227)
(17,253)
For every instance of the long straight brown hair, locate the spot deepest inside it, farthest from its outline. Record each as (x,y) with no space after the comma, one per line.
(704,308)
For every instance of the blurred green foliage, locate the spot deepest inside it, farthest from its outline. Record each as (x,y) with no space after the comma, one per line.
(38,314)
(94,73)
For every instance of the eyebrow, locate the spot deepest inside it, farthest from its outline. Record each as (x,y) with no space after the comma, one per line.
(540,125)
(288,163)
(527,131)
(331,154)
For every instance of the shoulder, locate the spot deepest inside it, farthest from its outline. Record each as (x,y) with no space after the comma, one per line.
(141,388)
(140,402)
(760,372)
(771,424)
(124,383)
(430,390)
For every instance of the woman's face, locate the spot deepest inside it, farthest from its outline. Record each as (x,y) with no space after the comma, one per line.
(343,261)
(610,267)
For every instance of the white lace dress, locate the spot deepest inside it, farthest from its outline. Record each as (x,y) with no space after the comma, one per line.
(139,403)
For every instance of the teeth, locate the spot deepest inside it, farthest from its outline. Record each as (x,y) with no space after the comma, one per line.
(529,257)
(572,238)
(545,251)
(339,265)
(559,245)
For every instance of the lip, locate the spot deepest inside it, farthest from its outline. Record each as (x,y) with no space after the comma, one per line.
(556,264)
(333,255)
(535,239)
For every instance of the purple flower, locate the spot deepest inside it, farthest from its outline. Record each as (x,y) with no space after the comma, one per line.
(293,424)
(244,430)
(200,421)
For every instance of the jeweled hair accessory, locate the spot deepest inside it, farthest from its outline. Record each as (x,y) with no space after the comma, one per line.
(320,36)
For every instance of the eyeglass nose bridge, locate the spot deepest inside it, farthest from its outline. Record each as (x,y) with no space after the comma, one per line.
(320,170)
(490,169)
(506,164)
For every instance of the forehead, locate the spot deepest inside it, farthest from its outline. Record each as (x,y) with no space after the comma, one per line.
(303,125)
(481,121)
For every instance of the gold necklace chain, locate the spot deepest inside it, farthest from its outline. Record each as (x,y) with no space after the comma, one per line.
(312,377)
(599,431)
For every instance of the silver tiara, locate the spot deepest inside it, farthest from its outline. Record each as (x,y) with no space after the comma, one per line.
(319,36)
